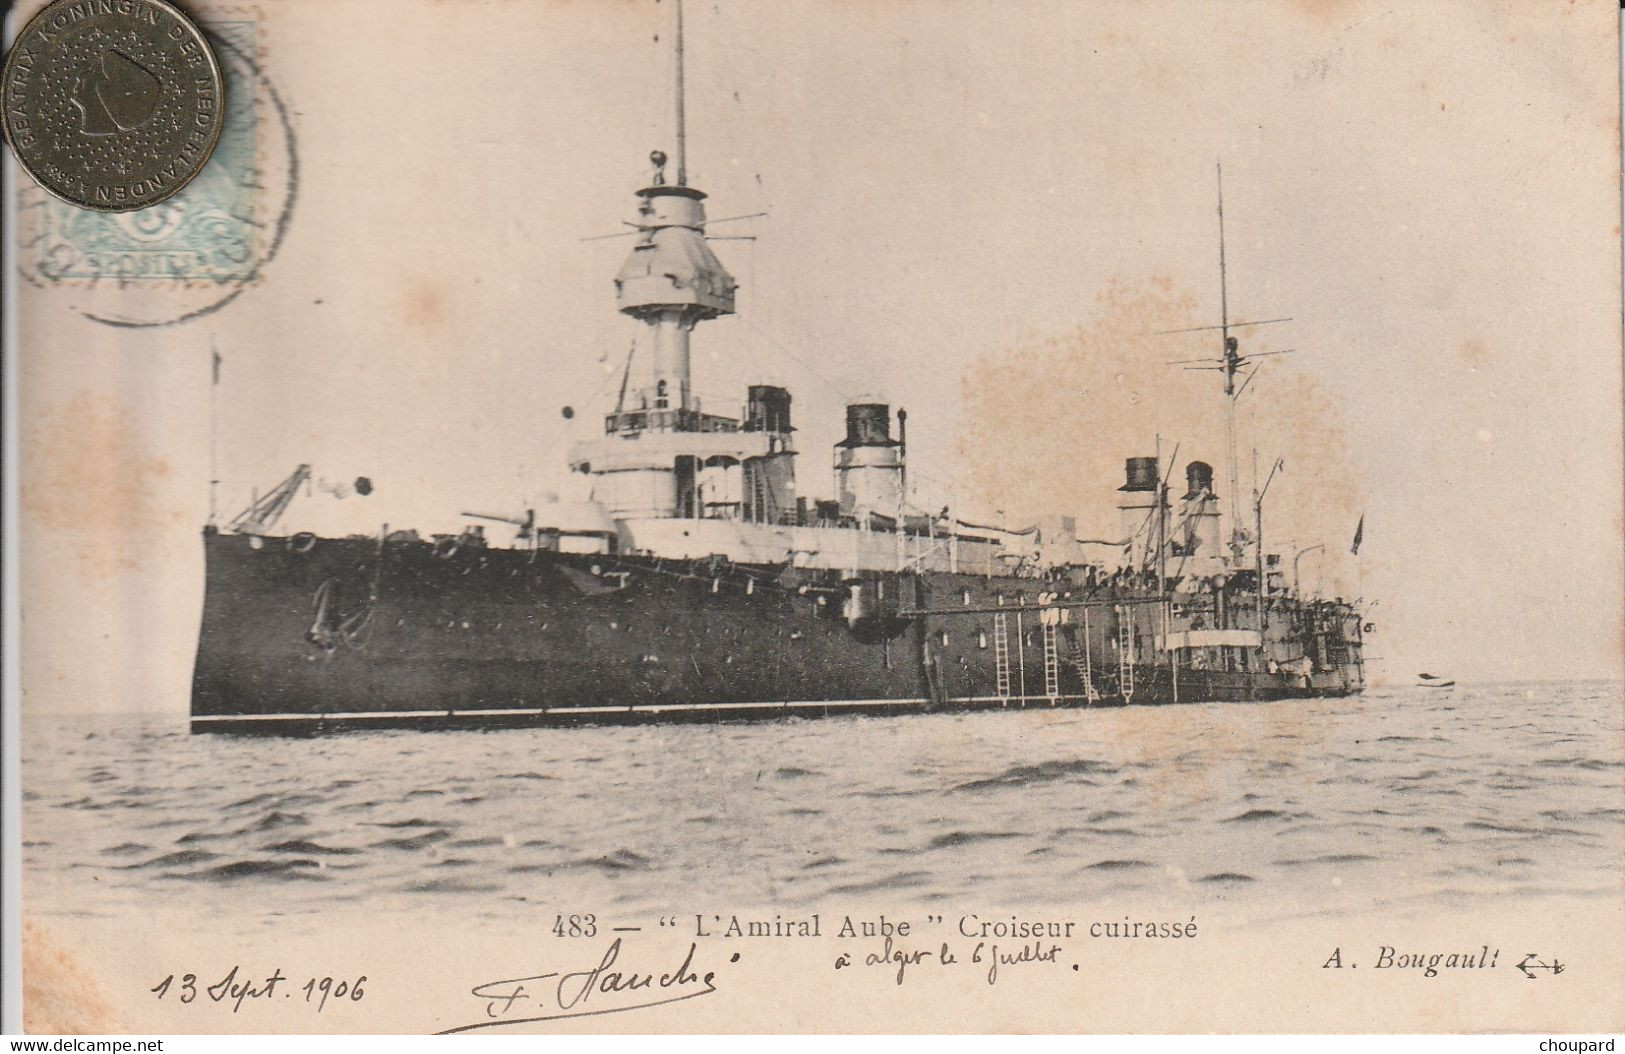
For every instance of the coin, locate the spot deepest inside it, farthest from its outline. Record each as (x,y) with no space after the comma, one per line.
(111,105)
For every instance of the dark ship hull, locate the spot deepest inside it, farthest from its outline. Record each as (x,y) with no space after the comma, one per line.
(303,634)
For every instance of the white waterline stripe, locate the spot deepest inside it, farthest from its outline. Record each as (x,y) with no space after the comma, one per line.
(653,708)
(633,708)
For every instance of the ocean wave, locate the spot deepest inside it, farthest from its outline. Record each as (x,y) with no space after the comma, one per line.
(894,792)
(889,883)
(89,804)
(956,839)
(299,845)
(1592,764)
(180,859)
(488,842)
(1499,828)
(1044,772)
(300,869)
(1330,858)
(531,869)
(451,885)
(414,842)
(258,799)
(614,863)
(1256,815)
(125,849)
(276,820)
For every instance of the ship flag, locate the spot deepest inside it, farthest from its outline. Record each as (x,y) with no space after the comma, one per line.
(1359,536)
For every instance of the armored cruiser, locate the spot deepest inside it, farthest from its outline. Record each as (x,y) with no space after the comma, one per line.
(700,583)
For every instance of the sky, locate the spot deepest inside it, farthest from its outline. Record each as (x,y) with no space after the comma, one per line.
(982,212)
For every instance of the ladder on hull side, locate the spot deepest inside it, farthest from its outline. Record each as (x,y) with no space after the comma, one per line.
(1125,651)
(1052,664)
(1081,661)
(1001,653)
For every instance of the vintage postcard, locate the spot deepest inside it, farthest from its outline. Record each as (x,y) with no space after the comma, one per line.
(827,516)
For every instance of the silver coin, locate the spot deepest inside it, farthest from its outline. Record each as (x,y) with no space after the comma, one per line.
(112,105)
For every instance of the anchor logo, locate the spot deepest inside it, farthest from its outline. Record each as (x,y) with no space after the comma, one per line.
(1531,963)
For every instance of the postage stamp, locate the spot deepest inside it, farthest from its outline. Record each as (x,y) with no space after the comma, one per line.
(207,233)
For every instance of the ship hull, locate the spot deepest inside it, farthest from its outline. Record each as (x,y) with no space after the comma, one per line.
(310,635)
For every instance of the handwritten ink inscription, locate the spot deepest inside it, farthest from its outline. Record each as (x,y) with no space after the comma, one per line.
(238,986)
(609,987)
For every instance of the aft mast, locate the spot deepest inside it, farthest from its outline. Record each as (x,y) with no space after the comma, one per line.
(1230,362)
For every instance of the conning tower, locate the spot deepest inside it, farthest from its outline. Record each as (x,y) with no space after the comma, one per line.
(671,282)
(661,456)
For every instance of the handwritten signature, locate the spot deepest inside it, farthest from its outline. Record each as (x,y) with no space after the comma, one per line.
(585,993)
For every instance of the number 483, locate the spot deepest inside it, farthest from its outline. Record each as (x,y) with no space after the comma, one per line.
(575,926)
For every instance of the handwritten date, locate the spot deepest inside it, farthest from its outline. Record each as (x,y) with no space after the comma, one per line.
(236,990)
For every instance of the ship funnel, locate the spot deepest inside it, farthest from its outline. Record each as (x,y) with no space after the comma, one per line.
(869,463)
(1196,535)
(1142,474)
(868,424)
(767,409)
(1198,479)
(1137,506)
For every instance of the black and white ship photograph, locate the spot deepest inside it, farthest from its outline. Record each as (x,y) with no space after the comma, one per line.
(1124,491)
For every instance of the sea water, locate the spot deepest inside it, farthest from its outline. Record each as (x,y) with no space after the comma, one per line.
(1404,798)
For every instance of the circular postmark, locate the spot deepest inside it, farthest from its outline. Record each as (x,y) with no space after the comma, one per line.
(197,252)
(112,105)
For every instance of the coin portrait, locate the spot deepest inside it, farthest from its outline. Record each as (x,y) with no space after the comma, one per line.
(112,105)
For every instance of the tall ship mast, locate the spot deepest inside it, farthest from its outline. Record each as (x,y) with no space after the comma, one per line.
(698,582)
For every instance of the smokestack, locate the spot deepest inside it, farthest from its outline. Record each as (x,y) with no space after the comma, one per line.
(767,409)
(1198,479)
(1199,519)
(868,463)
(868,424)
(1137,502)
(1142,474)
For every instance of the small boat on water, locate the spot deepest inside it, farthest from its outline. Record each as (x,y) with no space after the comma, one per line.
(1433,680)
